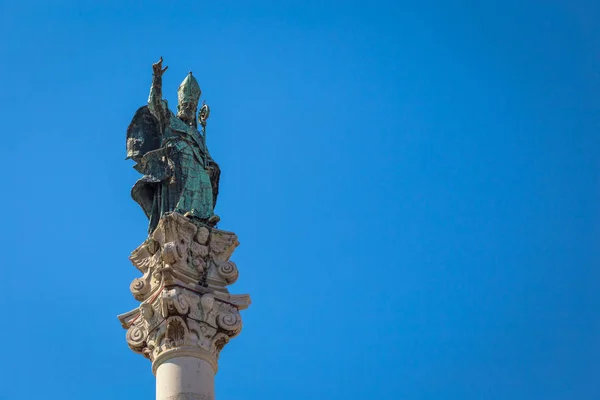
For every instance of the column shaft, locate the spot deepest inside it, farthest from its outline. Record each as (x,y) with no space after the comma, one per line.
(185,378)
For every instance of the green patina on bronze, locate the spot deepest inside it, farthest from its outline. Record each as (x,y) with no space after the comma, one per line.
(178,172)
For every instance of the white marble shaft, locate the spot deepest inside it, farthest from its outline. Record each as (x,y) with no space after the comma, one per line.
(186,314)
(185,378)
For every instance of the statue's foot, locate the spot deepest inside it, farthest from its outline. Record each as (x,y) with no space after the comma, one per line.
(188,215)
(213,221)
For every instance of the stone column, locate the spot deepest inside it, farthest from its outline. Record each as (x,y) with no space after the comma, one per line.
(186,315)
(185,378)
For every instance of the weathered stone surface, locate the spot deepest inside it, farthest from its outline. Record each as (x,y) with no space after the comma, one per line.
(185,378)
(186,309)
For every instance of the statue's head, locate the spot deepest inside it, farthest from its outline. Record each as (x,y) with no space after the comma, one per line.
(188,96)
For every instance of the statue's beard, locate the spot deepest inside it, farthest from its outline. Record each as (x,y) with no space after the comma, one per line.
(187,113)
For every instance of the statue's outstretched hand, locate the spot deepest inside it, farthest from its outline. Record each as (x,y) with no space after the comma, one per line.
(157,68)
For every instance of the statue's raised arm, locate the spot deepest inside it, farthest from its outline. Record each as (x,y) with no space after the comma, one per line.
(146,130)
(157,106)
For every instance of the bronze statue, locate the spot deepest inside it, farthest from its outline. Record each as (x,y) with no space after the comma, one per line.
(171,153)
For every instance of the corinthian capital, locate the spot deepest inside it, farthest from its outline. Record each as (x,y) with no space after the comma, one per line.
(186,309)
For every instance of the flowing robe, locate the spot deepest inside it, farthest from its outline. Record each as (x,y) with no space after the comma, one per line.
(179,174)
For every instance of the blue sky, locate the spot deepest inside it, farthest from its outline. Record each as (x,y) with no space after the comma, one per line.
(415,185)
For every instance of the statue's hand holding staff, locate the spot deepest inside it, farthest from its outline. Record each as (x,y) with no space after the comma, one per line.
(203,115)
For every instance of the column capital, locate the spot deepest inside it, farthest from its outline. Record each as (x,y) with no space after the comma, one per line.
(185,309)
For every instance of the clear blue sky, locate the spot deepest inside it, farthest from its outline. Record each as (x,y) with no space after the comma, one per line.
(416,188)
